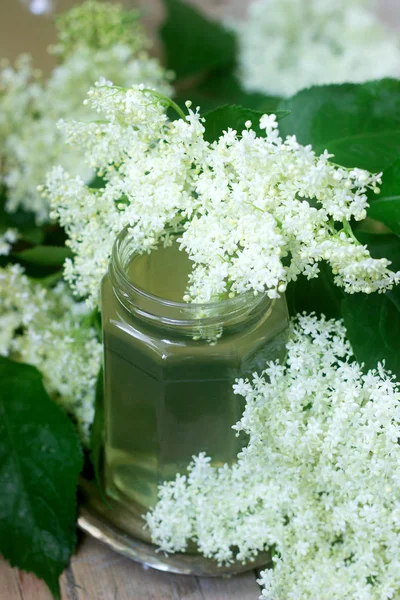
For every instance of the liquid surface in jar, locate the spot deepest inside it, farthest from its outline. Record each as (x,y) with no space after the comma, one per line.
(163,273)
(169,397)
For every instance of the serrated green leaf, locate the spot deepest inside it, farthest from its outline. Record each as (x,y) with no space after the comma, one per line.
(40,460)
(385,207)
(234,117)
(194,44)
(358,123)
(45,256)
(373,328)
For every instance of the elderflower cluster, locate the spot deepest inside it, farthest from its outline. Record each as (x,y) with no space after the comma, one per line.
(97,25)
(95,39)
(47,328)
(7,239)
(251,212)
(318,482)
(287,45)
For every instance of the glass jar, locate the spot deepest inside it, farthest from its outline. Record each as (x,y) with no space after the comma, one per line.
(169,370)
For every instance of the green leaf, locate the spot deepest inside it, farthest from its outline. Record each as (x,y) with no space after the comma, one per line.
(40,460)
(194,44)
(33,235)
(235,117)
(45,256)
(319,295)
(51,280)
(226,89)
(382,245)
(385,207)
(358,123)
(219,89)
(373,327)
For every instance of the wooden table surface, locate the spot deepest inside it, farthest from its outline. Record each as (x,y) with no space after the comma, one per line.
(97,573)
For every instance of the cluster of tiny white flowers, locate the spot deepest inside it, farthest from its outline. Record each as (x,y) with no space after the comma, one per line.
(19,89)
(30,108)
(251,212)
(318,482)
(288,45)
(97,25)
(47,328)
(7,239)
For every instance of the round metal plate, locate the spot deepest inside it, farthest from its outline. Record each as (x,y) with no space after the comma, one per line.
(123,531)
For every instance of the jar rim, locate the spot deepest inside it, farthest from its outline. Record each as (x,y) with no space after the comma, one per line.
(228,302)
(170,313)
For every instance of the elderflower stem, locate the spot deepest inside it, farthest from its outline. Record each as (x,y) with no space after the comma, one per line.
(349,231)
(166,101)
(169,102)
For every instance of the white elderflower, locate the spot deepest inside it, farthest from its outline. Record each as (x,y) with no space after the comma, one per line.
(47,328)
(97,25)
(95,39)
(19,89)
(7,239)
(287,45)
(251,212)
(318,482)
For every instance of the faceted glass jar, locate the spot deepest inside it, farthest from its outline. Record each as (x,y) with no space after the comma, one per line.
(169,370)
